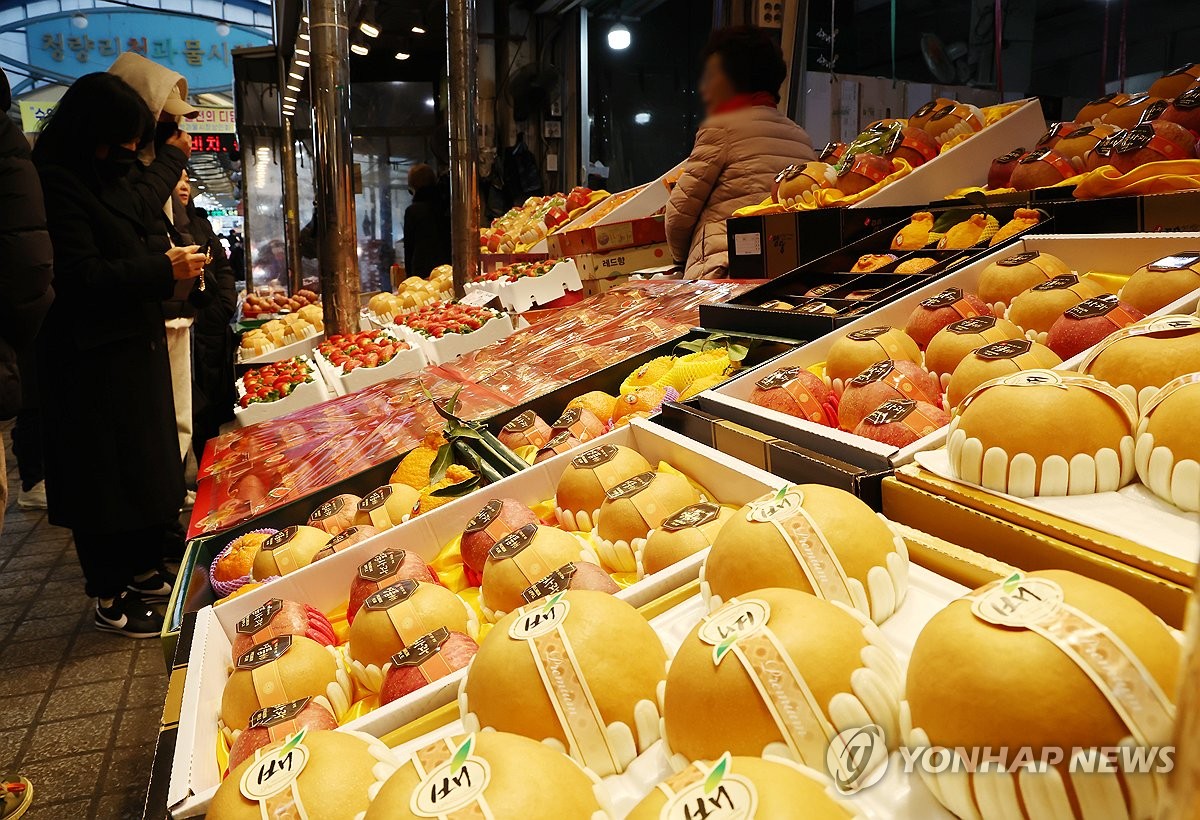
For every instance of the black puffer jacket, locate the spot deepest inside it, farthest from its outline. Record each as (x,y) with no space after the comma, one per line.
(26,259)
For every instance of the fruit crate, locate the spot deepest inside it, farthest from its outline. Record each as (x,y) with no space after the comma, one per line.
(452,345)
(526,292)
(341,384)
(303,395)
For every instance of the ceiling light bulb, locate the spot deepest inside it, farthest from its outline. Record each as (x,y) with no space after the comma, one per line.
(642,117)
(619,37)
(296,76)
(418,30)
(368,29)
(357,49)
(303,52)
(304,63)
(223,29)
(402,55)
(79,20)
(295,88)
(304,36)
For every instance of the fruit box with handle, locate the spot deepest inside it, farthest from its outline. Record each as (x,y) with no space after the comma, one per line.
(325,585)
(1113,254)
(525,292)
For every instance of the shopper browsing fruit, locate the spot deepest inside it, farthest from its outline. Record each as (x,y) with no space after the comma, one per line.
(112,462)
(744,142)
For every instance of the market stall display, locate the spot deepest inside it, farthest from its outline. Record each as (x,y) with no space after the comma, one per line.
(414,292)
(522,285)
(266,304)
(353,361)
(278,389)
(292,334)
(525,225)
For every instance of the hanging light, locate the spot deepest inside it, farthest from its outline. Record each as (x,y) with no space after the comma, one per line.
(619,37)
(295,88)
(402,55)
(362,51)
(223,28)
(79,20)
(295,76)
(418,30)
(368,29)
(303,63)
(303,52)
(304,37)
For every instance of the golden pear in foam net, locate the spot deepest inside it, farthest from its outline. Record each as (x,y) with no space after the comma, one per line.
(778,672)
(587,477)
(992,670)
(813,538)
(1167,452)
(1043,432)
(583,648)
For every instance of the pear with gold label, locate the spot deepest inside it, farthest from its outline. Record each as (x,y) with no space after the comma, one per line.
(632,509)
(326,775)
(506,776)
(281,670)
(779,672)
(1051,662)
(580,656)
(686,532)
(1141,358)
(744,787)
(520,560)
(813,538)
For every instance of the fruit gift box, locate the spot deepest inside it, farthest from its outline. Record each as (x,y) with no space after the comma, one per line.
(332,600)
(884,387)
(277,389)
(353,361)
(522,285)
(447,330)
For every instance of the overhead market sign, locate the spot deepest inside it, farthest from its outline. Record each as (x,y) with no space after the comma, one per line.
(210,120)
(189,45)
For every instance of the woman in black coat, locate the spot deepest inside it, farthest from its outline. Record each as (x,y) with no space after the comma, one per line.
(213,391)
(112,455)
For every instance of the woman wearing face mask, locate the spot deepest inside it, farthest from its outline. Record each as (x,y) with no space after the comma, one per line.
(112,457)
(740,147)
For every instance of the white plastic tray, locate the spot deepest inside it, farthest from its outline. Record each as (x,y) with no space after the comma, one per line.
(303,395)
(453,345)
(525,292)
(289,351)
(404,362)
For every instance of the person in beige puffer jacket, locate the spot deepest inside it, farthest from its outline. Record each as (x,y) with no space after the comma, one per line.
(740,147)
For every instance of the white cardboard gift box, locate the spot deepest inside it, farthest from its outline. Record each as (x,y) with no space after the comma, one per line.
(403,363)
(1117,253)
(303,395)
(527,291)
(303,347)
(325,585)
(965,164)
(453,345)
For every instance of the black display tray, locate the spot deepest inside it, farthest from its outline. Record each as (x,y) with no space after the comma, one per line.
(816,313)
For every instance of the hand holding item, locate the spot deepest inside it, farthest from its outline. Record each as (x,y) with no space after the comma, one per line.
(182,141)
(185,262)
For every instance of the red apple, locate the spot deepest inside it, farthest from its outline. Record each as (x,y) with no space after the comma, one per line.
(581,422)
(1039,169)
(900,422)
(861,172)
(346,539)
(388,567)
(796,392)
(883,381)
(1185,110)
(497,518)
(914,146)
(590,576)
(1089,322)
(456,651)
(1000,174)
(305,713)
(559,444)
(1057,131)
(949,306)
(278,617)
(1156,141)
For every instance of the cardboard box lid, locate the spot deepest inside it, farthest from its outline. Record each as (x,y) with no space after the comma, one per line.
(1168,567)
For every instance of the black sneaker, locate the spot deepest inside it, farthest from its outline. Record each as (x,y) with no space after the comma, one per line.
(154,590)
(130,616)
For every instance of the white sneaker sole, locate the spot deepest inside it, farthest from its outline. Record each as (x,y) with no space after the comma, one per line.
(106,626)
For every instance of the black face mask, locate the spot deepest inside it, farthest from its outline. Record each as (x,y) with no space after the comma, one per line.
(163,132)
(117,164)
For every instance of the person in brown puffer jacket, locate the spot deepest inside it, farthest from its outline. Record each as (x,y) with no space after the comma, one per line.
(744,142)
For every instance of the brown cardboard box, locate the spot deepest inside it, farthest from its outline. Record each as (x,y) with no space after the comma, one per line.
(622,262)
(1027,548)
(616,236)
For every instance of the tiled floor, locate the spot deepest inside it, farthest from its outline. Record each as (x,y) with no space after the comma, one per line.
(79,709)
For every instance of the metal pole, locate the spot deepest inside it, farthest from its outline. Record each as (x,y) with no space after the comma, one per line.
(291,205)
(464,179)
(333,165)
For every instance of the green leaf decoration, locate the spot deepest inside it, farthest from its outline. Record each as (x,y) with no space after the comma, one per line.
(783,491)
(455,490)
(722,649)
(1012,581)
(717,774)
(552,600)
(293,741)
(462,753)
(462,431)
(441,463)
(738,352)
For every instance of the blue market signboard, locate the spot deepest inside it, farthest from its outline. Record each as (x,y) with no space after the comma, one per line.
(190,45)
